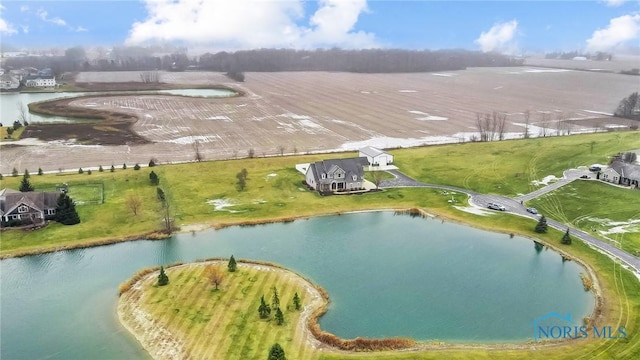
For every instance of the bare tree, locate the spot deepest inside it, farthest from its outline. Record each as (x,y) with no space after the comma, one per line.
(281,150)
(544,123)
(196,150)
(214,274)
(251,153)
(23,113)
(377,178)
(134,203)
(527,116)
(560,124)
(149,77)
(500,121)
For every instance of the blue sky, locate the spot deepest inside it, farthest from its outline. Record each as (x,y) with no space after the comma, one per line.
(505,26)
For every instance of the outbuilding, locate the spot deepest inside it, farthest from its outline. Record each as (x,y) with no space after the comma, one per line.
(376,157)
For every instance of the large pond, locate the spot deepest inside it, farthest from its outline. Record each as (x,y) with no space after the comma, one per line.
(10,103)
(387,275)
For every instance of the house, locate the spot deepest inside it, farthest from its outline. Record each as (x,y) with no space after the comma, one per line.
(622,173)
(376,157)
(337,175)
(40,81)
(8,82)
(27,207)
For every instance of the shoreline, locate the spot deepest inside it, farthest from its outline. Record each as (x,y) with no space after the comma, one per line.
(308,323)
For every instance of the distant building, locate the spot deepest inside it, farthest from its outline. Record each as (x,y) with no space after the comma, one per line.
(39,81)
(622,173)
(376,157)
(8,82)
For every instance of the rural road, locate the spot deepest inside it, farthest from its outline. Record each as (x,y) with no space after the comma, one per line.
(515,206)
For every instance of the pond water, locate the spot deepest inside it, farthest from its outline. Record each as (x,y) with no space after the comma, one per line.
(10,103)
(386,275)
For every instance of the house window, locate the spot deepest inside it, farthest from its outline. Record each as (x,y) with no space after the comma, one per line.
(355,177)
(15,217)
(23,209)
(51,211)
(324,176)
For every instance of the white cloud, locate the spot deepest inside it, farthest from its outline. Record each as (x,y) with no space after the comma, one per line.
(614,3)
(44,16)
(500,38)
(81,29)
(621,30)
(252,24)
(24,8)
(25,29)
(5,27)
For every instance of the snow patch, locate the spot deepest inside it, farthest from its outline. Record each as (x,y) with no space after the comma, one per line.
(185,140)
(408,91)
(295,116)
(219,117)
(538,71)
(617,227)
(597,112)
(473,210)
(427,117)
(545,181)
(220,204)
(444,74)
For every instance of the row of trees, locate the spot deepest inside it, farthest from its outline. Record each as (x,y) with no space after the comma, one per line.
(629,107)
(542,227)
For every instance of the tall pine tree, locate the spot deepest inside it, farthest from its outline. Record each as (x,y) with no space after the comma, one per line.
(541,226)
(25,184)
(232,265)
(276,353)
(66,213)
(566,239)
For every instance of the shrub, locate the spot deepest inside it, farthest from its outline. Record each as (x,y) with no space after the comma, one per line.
(163,279)
(136,167)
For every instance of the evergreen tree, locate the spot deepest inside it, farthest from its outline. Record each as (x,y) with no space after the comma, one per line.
(40,172)
(1,176)
(276,353)
(163,279)
(66,213)
(26,174)
(14,172)
(112,168)
(296,301)
(152,163)
(124,166)
(161,196)
(80,171)
(541,226)
(153,177)
(279,316)
(25,184)
(136,166)
(263,310)
(89,172)
(232,265)
(566,239)
(275,300)
(100,169)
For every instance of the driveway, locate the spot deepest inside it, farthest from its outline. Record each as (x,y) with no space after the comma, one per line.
(515,206)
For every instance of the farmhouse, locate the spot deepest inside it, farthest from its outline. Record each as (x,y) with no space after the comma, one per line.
(337,175)
(40,81)
(622,173)
(376,157)
(27,207)
(8,82)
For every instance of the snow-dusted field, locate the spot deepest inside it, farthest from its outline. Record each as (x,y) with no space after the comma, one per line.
(321,111)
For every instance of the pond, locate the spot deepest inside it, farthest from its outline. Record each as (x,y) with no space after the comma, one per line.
(387,275)
(10,103)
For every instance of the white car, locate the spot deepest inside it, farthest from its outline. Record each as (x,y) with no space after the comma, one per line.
(494,206)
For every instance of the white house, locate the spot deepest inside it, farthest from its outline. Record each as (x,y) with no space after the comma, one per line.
(8,82)
(376,157)
(40,81)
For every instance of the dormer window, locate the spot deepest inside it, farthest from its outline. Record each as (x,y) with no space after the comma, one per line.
(23,209)
(355,177)
(324,176)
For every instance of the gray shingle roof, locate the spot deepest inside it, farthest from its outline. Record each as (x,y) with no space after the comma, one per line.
(351,166)
(629,171)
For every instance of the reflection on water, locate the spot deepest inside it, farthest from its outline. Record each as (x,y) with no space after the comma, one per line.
(387,276)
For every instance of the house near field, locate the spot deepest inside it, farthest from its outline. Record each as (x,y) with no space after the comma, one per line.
(27,207)
(337,175)
(376,157)
(622,173)
(8,82)
(40,81)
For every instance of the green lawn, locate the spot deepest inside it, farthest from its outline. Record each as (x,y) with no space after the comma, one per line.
(15,136)
(508,167)
(613,212)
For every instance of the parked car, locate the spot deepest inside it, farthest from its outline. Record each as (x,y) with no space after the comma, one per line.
(584,177)
(494,206)
(532,210)
(595,168)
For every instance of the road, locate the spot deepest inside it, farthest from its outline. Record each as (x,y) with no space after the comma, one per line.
(515,206)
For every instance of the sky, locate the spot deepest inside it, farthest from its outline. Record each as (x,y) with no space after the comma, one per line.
(512,27)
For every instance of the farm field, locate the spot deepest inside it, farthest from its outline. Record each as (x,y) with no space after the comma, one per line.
(302,112)
(609,212)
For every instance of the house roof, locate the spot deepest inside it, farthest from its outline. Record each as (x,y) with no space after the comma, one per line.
(351,166)
(629,171)
(39,200)
(371,151)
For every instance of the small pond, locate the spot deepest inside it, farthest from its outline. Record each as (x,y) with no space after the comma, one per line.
(387,275)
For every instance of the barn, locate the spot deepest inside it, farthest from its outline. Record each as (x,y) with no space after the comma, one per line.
(376,157)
